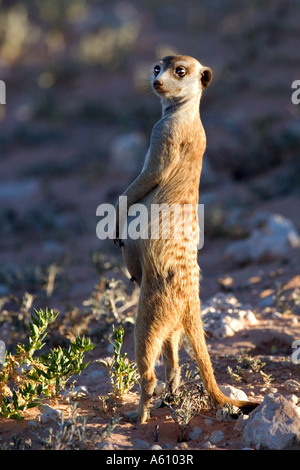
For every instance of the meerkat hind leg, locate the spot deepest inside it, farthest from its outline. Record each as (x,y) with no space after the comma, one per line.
(170,358)
(148,343)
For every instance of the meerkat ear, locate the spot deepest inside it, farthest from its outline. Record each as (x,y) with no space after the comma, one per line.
(206,76)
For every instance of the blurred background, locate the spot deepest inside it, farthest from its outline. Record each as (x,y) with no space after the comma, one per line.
(79,112)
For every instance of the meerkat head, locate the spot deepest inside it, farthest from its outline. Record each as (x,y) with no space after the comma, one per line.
(180,77)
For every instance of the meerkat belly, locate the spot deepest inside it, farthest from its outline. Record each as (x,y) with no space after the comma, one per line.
(162,228)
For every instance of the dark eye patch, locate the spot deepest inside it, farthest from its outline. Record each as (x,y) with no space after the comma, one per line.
(156,70)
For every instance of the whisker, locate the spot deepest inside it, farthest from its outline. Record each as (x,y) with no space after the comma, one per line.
(142,81)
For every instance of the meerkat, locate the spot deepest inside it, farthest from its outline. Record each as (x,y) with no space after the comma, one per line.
(166,269)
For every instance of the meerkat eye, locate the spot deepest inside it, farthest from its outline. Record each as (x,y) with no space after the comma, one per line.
(180,71)
(156,70)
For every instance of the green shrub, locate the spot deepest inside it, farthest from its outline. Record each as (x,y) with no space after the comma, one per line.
(26,379)
(122,373)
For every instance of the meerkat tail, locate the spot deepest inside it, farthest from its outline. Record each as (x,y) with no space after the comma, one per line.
(195,333)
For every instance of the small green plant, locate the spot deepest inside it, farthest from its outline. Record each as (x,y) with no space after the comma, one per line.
(252,364)
(188,401)
(74,434)
(26,378)
(122,373)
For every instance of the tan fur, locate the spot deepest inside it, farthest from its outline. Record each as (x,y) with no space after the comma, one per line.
(167,270)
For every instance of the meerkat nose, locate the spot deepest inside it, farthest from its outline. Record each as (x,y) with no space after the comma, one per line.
(157,84)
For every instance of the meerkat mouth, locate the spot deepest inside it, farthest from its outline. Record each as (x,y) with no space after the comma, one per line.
(157,85)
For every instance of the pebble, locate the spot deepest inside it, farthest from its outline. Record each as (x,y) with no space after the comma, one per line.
(78,392)
(292,385)
(216,436)
(156,447)
(140,444)
(107,446)
(248,375)
(183,445)
(208,445)
(195,433)
(48,414)
(167,446)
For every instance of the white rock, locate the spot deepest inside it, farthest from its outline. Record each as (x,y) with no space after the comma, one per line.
(48,414)
(274,424)
(233,392)
(159,388)
(272,241)
(223,315)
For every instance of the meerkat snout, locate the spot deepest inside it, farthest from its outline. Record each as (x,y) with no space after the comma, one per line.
(157,84)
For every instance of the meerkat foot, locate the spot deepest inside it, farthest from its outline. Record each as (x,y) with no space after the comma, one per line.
(138,417)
